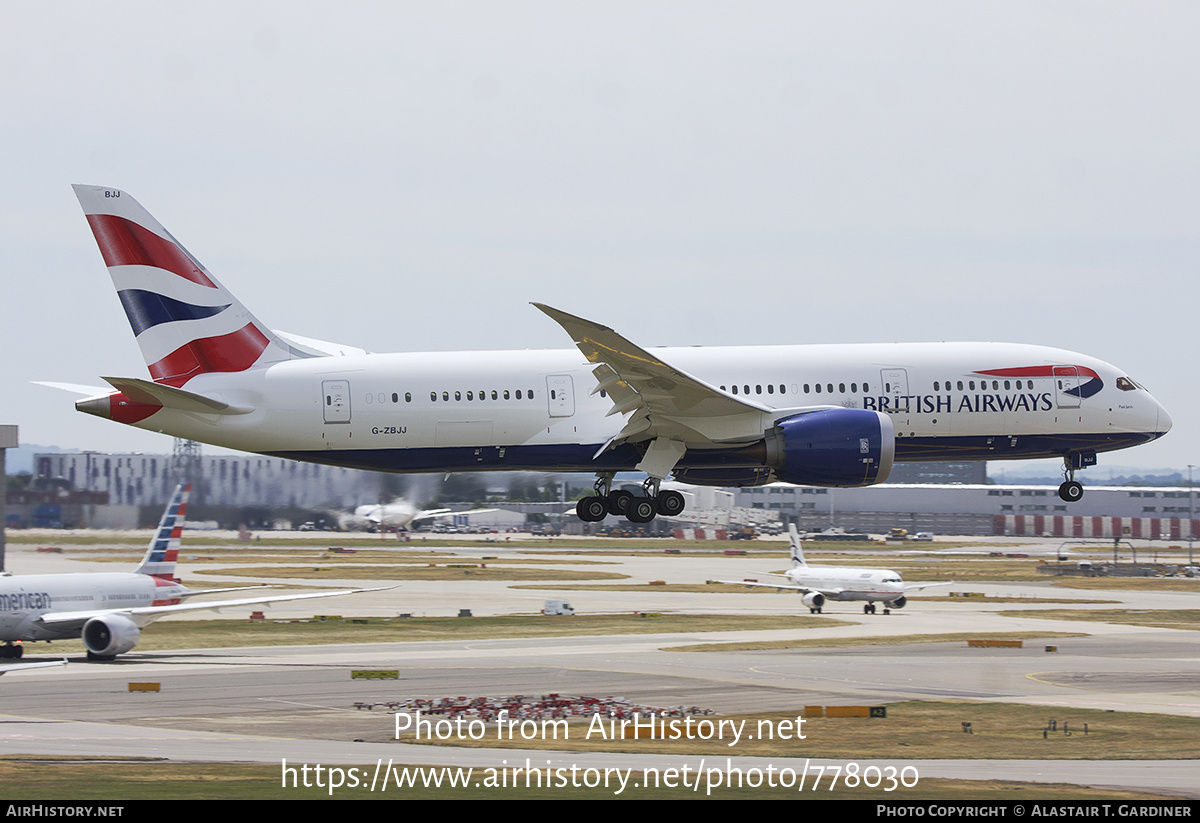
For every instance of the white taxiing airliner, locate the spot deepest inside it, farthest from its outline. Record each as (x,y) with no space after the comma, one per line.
(110,609)
(818,584)
(819,415)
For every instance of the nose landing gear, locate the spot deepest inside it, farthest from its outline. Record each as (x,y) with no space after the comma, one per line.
(1072,491)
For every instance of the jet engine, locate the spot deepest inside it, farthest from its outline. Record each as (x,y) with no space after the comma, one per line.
(899,603)
(108,635)
(832,447)
(814,600)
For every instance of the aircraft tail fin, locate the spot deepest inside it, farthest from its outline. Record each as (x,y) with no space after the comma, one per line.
(797,551)
(163,550)
(185,321)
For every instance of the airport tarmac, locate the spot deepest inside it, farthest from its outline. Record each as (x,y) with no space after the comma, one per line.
(265,704)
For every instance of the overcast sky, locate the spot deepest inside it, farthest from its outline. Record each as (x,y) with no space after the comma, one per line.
(408,176)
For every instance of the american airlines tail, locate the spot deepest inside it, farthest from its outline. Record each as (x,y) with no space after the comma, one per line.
(163,550)
(185,321)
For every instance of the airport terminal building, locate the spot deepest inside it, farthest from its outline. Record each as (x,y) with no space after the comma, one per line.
(980,509)
(133,480)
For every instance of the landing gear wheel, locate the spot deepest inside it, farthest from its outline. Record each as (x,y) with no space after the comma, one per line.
(618,502)
(887,611)
(11,651)
(869,608)
(591,509)
(814,611)
(670,503)
(1070,491)
(100,658)
(640,510)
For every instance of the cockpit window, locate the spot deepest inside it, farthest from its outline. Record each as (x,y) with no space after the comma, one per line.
(1125,384)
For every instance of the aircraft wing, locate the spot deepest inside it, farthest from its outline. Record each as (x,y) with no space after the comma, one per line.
(663,401)
(5,668)
(832,594)
(430,514)
(916,587)
(143,615)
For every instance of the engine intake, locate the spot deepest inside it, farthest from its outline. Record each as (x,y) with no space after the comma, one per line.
(110,634)
(832,447)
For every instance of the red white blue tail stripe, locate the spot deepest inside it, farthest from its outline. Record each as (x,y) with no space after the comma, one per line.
(185,321)
(163,551)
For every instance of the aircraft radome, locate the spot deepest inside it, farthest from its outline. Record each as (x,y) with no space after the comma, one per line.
(110,609)
(817,415)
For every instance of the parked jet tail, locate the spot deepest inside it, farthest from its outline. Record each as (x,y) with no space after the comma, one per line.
(163,550)
(185,321)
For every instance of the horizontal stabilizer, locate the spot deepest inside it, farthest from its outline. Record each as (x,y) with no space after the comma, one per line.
(73,388)
(144,391)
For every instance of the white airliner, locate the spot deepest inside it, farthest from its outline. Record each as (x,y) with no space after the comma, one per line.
(818,584)
(823,415)
(110,609)
(399,514)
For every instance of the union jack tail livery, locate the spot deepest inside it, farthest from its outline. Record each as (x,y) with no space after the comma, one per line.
(185,321)
(163,550)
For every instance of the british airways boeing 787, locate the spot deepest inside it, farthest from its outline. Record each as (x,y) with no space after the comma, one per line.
(821,415)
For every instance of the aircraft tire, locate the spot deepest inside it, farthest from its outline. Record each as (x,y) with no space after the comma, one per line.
(640,510)
(618,502)
(591,509)
(670,503)
(1071,491)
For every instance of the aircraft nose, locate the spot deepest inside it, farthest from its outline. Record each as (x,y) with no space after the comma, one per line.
(1163,424)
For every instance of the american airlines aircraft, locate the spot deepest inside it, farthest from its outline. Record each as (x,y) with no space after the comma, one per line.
(821,415)
(110,609)
(817,584)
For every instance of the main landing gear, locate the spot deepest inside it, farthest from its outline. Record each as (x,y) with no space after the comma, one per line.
(870,609)
(11,651)
(1070,491)
(635,508)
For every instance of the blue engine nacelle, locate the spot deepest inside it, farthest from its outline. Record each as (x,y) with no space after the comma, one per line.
(832,447)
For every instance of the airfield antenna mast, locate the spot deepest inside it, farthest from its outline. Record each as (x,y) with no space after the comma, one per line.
(186,466)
